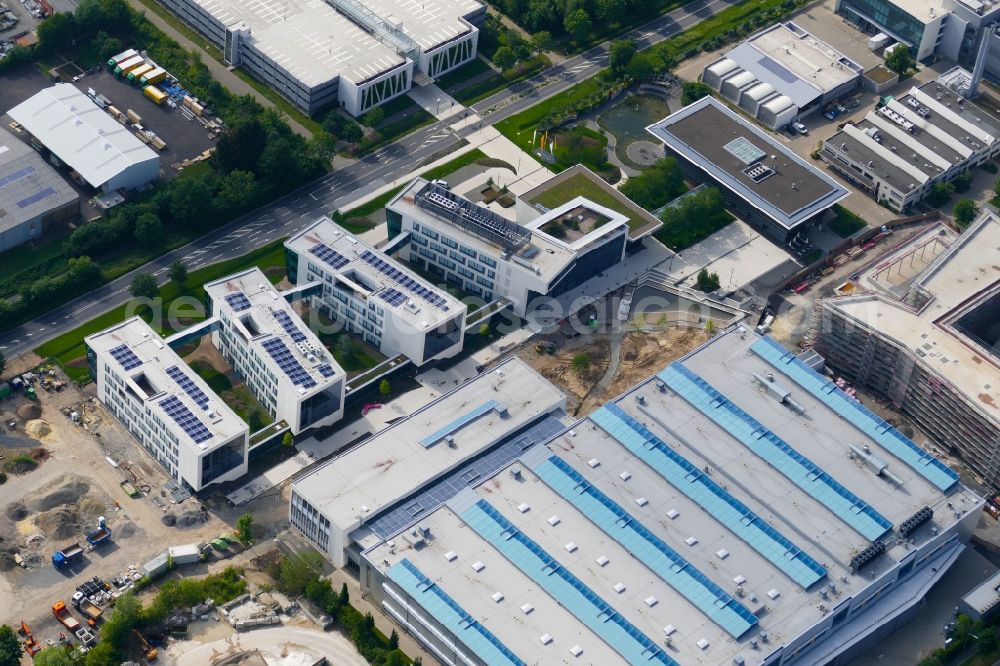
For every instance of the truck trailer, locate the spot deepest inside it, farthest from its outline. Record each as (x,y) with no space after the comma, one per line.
(68,555)
(121,57)
(137,73)
(87,608)
(155,94)
(127,66)
(101,535)
(153,77)
(61,613)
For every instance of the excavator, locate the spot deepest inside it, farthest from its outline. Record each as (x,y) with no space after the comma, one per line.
(147,649)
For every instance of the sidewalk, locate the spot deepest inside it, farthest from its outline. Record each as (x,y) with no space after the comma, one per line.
(220,72)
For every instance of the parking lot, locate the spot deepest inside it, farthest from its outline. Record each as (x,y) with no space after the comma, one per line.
(185,139)
(25,20)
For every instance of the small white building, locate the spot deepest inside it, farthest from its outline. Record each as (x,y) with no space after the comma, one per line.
(486,254)
(101,152)
(173,413)
(282,361)
(375,297)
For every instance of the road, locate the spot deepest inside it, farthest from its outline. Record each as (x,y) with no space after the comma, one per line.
(293,211)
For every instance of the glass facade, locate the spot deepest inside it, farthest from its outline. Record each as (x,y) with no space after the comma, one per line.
(885,16)
(224,459)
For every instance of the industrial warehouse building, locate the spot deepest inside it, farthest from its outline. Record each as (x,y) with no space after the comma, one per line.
(281,360)
(375,297)
(783,73)
(735,508)
(486,254)
(173,413)
(900,150)
(102,153)
(350,53)
(763,182)
(923,331)
(32,195)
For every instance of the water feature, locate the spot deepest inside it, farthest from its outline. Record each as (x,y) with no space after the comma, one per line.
(628,119)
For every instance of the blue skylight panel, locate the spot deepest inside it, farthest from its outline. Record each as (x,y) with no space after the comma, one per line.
(824,390)
(797,468)
(449,613)
(646,547)
(710,496)
(569,591)
(459,423)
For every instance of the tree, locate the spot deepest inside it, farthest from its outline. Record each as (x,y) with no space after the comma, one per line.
(288,439)
(102,654)
(384,388)
(148,231)
(542,40)
(965,212)
(296,571)
(10,648)
(3,363)
(693,217)
(374,117)
(178,273)
(656,186)
(240,147)
(504,57)
(190,200)
(940,193)
(117,628)
(238,191)
(57,655)
(692,91)
(484,329)
(621,52)
(578,24)
(986,640)
(996,188)
(962,182)
(344,598)
(144,286)
(706,281)
(641,66)
(900,60)
(244,527)
(580,363)
(57,31)
(394,640)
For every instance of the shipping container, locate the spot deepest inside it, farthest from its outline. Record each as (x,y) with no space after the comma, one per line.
(138,72)
(121,57)
(127,66)
(154,76)
(155,94)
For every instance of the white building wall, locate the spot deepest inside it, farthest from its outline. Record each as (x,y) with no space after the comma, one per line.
(450,55)
(358,98)
(134,176)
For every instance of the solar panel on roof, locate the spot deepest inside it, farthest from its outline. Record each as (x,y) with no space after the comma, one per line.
(238,301)
(188,386)
(804,473)
(400,278)
(125,357)
(645,546)
(327,254)
(744,151)
(186,419)
(288,363)
(326,370)
(286,322)
(392,296)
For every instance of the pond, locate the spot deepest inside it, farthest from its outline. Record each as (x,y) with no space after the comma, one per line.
(628,119)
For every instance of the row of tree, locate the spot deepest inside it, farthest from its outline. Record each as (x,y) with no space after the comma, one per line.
(575,18)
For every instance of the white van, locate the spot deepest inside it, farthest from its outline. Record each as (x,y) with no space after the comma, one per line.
(800,129)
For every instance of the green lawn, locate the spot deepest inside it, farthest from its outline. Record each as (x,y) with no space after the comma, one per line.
(719,24)
(497,82)
(45,259)
(846,224)
(68,349)
(464,73)
(353,355)
(242,401)
(216,380)
(581,186)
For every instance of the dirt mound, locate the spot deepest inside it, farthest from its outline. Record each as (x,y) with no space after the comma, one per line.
(191,519)
(17,511)
(169,519)
(70,491)
(37,428)
(61,522)
(29,411)
(7,558)
(91,508)
(124,529)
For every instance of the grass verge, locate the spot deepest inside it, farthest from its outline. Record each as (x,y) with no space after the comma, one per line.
(846,223)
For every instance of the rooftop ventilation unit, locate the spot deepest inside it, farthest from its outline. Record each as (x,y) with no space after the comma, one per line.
(910,525)
(867,555)
(758,173)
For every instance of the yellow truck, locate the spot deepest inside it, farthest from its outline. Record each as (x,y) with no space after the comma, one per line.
(127,66)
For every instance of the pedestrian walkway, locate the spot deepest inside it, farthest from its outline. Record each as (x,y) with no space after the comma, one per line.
(219,71)
(435,101)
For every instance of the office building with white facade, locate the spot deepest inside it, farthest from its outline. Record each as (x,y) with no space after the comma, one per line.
(173,413)
(282,362)
(899,151)
(922,331)
(375,297)
(782,74)
(488,255)
(101,153)
(356,54)
(763,182)
(734,508)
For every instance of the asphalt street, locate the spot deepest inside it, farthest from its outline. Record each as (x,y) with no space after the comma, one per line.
(293,211)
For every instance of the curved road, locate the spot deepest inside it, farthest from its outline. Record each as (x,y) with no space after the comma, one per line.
(293,211)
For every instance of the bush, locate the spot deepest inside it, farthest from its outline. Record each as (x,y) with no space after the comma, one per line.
(694,217)
(706,281)
(692,91)
(962,182)
(846,223)
(657,185)
(21,464)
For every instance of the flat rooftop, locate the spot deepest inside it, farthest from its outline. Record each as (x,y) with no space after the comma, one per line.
(308,38)
(29,186)
(964,274)
(81,134)
(747,161)
(645,504)
(263,316)
(924,11)
(578,180)
(155,374)
(369,273)
(430,23)
(482,229)
(794,62)
(356,487)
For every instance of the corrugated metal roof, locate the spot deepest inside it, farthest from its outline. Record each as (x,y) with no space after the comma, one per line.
(29,187)
(797,468)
